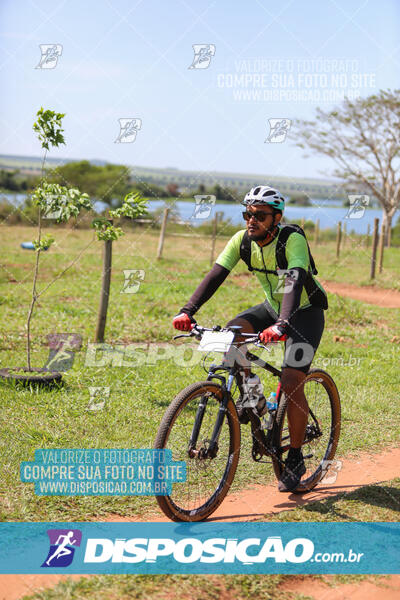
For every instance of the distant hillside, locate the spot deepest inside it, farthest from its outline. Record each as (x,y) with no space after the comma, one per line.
(32,164)
(190,180)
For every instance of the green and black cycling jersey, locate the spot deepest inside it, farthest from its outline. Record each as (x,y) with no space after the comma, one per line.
(285,294)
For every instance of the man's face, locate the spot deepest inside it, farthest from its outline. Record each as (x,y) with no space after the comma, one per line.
(257,227)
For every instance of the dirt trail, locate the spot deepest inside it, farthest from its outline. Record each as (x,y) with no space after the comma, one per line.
(253,504)
(369,294)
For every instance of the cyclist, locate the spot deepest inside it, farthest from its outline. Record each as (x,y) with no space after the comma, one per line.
(293,310)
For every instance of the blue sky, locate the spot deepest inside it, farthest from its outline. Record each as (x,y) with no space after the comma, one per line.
(124,59)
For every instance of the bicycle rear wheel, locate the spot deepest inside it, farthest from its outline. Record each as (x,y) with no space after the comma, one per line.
(207,479)
(322,432)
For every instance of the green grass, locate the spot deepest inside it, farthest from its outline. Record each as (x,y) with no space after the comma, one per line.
(192,587)
(158,587)
(368,383)
(354,263)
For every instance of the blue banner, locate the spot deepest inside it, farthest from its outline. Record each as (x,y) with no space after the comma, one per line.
(246,548)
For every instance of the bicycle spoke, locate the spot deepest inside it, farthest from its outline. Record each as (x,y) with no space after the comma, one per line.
(205,476)
(322,431)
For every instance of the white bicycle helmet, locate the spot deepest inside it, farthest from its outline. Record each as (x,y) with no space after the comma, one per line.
(263,194)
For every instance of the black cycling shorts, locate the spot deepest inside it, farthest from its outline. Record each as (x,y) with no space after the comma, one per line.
(304,333)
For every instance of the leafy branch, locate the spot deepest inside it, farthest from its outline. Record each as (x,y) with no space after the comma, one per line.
(51,199)
(132,207)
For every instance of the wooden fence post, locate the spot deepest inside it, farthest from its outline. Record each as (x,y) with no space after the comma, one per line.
(162,233)
(368,234)
(218,217)
(105,292)
(375,236)
(381,246)
(338,238)
(317,232)
(214,235)
(302,222)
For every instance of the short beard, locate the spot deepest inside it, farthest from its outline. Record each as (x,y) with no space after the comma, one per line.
(259,237)
(262,236)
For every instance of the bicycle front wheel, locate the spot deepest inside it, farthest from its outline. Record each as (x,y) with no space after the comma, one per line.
(322,431)
(208,479)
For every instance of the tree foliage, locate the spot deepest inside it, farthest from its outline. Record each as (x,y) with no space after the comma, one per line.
(48,128)
(13,181)
(60,201)
(363,139)
(150,190)
(299,199)
(132,207)
(224,193)
(106,183)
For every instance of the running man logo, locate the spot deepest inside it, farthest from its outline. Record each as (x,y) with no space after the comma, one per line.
(203,54)
(63,543)
(203,206)
(286,280)
(50,55)
(357,206)
(330,469)
(101,394)
(128,129)
(278,129)
(62,350)
(133,279)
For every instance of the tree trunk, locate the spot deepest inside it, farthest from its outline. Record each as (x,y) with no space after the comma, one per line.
(387,223)
(34,296)
(105,292)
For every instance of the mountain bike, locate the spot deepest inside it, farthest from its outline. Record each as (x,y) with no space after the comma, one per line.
(201,426)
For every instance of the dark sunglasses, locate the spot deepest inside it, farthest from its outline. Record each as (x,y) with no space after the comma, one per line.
(259,215)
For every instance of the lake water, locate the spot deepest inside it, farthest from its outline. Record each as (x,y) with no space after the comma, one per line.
(321,209)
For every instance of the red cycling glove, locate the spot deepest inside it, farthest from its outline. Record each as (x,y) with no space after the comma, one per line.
(183,322)
(272,334)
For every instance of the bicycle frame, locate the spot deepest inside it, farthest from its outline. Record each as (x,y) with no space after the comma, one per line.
(211,445)
(262,444)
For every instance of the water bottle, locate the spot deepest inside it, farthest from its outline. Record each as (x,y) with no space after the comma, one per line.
(272,405)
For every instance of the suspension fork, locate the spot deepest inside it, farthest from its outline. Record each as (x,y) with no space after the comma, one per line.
(197,423)
(212,449)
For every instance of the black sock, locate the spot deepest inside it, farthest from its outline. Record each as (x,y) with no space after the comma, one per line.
(294,452)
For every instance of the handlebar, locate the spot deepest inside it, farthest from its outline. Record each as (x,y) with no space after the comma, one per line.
(197,332)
